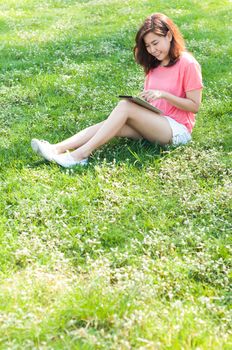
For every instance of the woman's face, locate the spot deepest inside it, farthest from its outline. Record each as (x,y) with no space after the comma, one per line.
(158,46)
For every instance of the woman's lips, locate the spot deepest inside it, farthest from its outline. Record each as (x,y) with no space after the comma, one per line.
(157,55)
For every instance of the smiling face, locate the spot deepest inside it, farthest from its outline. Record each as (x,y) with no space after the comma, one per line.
(158,46)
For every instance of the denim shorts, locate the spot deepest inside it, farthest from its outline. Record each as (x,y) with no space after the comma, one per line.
(180,134)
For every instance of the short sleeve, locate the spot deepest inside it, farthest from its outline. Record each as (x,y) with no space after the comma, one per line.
(192,77)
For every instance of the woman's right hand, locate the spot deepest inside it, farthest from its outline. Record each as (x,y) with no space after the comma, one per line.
(151,95)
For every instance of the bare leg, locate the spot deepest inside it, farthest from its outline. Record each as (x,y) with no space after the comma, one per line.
(85,135)
(78,139)
(146,123)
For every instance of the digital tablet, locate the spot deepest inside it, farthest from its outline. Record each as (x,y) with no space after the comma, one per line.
(141,102)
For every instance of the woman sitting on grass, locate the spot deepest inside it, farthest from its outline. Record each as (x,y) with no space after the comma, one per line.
(173,83)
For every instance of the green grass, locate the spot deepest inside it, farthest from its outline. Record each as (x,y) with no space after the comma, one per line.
(133,251)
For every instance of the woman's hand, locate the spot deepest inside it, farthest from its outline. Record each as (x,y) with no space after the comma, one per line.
(190,103)
(151,95)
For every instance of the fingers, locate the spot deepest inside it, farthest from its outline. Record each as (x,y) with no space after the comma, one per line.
(146,95)
(143,94)
(150,95)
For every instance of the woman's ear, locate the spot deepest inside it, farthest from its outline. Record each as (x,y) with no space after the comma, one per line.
(169,35)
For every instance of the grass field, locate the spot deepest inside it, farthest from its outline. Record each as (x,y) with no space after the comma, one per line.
(132,251)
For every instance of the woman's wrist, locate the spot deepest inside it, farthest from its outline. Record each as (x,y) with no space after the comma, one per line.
(164,94)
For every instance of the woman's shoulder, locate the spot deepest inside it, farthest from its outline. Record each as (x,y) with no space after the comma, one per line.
(187,58)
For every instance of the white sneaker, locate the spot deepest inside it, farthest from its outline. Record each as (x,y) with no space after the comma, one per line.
(67,161)
(43,148)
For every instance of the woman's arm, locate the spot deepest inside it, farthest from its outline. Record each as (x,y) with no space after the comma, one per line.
(191,103)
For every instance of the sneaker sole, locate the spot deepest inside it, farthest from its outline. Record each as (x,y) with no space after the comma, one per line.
(84,162)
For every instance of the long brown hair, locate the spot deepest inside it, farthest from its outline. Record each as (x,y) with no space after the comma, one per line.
(158,24)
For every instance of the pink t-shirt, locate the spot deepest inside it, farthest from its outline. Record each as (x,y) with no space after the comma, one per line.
(183,76)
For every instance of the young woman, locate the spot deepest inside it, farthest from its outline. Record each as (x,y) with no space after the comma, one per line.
(173,83)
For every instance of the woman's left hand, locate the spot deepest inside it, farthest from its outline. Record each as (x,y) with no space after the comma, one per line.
(151,95)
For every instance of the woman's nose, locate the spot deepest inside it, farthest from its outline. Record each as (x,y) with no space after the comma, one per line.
(153,51)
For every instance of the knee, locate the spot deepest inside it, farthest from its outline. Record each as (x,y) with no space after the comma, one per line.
(125,105)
